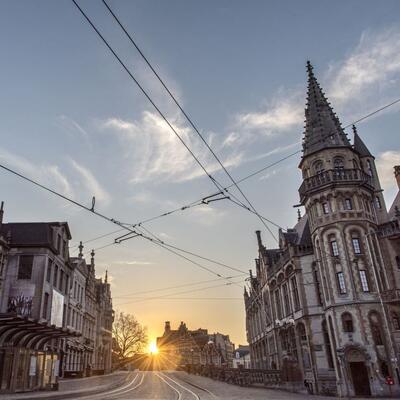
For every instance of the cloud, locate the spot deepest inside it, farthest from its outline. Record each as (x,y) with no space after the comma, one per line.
(283,112)
(46,174)
(385,163)
(91,185)
(132,262)
(156,152)
(373,65)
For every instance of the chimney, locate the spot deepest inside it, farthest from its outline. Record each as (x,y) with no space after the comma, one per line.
(397,174)
(167,328)
(1,213)
(258,233)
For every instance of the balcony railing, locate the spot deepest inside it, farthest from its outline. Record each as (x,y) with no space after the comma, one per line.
(389,229)
(333,176)
(392,295)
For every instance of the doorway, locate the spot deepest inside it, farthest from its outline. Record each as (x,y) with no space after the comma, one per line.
(359,376)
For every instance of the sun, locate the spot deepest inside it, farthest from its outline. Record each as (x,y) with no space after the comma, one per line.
(153,348)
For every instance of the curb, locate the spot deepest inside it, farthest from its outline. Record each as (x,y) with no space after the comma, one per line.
(72,395)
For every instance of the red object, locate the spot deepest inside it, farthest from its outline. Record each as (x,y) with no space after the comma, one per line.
(389,380)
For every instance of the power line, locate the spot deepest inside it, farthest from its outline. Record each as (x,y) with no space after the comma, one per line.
(127,70)
(179,293)
(191,124)
(175,287)
(97,238)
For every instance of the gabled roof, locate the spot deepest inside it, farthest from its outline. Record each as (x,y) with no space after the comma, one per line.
(323,128)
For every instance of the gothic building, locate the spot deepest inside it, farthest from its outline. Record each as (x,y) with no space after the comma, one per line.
(324,307)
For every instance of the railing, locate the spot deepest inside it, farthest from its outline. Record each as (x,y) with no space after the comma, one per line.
(237,376)
(354,176)
(391,228)
(391,295)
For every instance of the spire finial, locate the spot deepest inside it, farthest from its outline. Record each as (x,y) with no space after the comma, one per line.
(80,247)
(106,277)
(309,68)
(354,129)
(92,259)
(298,214)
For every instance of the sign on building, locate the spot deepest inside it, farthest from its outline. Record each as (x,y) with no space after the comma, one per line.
(20,299)
(57,306)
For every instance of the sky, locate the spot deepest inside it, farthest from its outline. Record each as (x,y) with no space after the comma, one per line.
(71,118)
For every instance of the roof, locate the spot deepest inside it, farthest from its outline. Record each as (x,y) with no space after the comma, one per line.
(323,128)
(300,235)
(32,233)
(359,146)
(396,203)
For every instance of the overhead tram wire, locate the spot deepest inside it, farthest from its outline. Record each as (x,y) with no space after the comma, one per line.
(178,293)
(109,219)
(141,88)
(174,287)
(234,183)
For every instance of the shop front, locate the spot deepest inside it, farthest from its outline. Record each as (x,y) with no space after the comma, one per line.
(30,353)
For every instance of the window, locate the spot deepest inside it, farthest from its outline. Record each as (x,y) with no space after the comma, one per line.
(375,324)
(327,343)
(59,243)
(48,272)
(66,283)
(61,283)
(348,205)
(396,321)
(338,163)
(369,168)
(334,248)
(65,249)
(25,267)
(347,322)
(364,280)
(278,304)
(317,287)
(45,305)
(296,299)
(318,167)
(286,299)
(325,208)
(55,276)
(397,258)
(378,203)
(341,283)
(356,245)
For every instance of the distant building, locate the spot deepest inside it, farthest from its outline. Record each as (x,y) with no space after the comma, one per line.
(183,347)
(324,306)
(241,357)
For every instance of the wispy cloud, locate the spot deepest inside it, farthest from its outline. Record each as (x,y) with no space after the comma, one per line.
(47,174)
(132,262)
(91,185)
(385,163)
(156,153)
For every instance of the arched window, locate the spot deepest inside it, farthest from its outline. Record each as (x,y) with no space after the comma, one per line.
(301,332)
(318,167)
(347,322)
(369,168)
(338,163)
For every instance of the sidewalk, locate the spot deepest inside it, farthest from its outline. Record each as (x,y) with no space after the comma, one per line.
(74,388)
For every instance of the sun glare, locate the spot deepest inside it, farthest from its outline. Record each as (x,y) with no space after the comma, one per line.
(153,348)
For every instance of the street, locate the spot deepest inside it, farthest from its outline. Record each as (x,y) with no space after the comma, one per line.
(182,386)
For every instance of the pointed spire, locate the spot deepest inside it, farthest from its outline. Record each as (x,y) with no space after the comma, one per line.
(80,247)
(359,146)
(323,128)
(106,277)
(92,258)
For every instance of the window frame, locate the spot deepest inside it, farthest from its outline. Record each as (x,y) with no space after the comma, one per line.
(25,274)
(334,248)
(364,281)
(325,208)
(355,241)
(348,204)
(341,281)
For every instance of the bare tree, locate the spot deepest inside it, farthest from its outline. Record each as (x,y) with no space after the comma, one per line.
(130,337)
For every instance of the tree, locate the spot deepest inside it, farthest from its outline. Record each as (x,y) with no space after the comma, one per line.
(130,337)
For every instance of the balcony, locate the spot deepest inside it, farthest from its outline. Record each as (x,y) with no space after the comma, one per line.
(333,177)
(390,296)
(390,230)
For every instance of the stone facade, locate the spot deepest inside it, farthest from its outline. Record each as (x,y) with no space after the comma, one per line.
(193,347)
(55,316)
(324,307)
